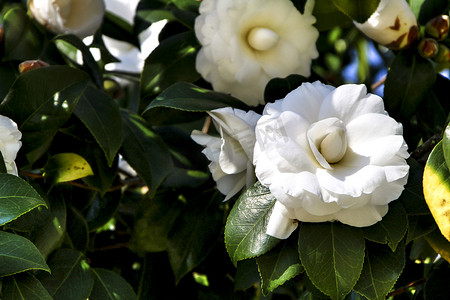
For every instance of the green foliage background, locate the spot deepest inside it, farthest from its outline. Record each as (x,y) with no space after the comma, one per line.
(102,233)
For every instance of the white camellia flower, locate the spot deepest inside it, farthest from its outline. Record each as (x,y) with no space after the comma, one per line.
(231,154)
(248,42)
(329,154)
(79,17)
(9,143)
(393,24)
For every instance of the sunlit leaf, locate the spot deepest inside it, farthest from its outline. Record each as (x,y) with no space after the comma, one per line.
(332,255)
(63,167)
(439,243)
(245,231)
(358,10)
(24,286)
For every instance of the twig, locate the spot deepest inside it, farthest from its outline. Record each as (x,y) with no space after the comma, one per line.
(206,125)
(406,288)
(427,146)
(378,83)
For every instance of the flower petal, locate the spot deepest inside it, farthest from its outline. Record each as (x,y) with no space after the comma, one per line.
(363,216)
(280,226)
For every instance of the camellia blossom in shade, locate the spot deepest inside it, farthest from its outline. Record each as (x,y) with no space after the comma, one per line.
(79,17)
(231,154)
(248,42)
(9,143)
(393,24)
(329,154)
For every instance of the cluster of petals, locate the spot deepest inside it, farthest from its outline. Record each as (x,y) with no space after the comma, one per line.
(329,154)
(79,17)
(9,143)
(231,154)
(247,43)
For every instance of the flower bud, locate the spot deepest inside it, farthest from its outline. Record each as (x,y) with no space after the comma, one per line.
(113,88)
(393,25)
(443,55)
(428,48)
(438,27)
(79,17)
(29,65)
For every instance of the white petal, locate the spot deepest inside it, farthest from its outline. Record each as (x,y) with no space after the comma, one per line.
(279,225)
(363,216)
(230,185)
(232,158)
(302,215)
(389,192)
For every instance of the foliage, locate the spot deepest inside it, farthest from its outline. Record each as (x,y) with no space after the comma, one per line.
(77,224)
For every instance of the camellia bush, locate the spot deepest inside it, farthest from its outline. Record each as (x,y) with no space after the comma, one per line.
(224,149)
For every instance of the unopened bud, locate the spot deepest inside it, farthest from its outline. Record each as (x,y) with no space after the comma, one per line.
(29,65)
(113,88)
(438,27)
(443,55)
(428,48)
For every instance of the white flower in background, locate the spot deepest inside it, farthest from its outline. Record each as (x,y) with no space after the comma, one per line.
(9,143)
(329,154)
(393,24)
(131,58)
(79,17)
(248,42)
(231,154)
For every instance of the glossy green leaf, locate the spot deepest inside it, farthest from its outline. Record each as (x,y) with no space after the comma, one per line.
(17,198)
(332,255)
(152,227)
(18,254)
(194,233)
(381,269)
(431,9)
(412,197)
(409,79)
(419,226)
(101,115)
(63,167)
(40,102)
(22,40)
(391,229)
(8,74)
(247,274)
(110,286)
(102,209)
(172,104)
(172,61)
(71,277)
(279,265)
(24,286)
(358,10)
(439,243)
(144,150)
(77,230)
(245,230)
(329,16)
(49,236)
(436,189)
(446,145)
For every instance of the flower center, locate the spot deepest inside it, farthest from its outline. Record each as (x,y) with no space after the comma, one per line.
(328,141)
(63,7)
(262,39)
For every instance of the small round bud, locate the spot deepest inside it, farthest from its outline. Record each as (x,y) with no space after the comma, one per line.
(112,88)
(438,27)
(428,48)
(29,65)
(443,55)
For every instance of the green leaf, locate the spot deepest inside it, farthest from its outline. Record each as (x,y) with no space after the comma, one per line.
(144,150)
(382,267)
(71,278)
(391,229)
(89,62)
(22,40)
(439,243)
(419,226)
(329,16)
(40,102)
(245,230)
(17,198)
(117,28)
(172,104)
(101,115)
(77,230)
(102,209)
(279,265)
(18,254)
(333,256)
(247,274)
(415,6)
(436,189)
(2,165)
(110,286)
(408,81)
(63,167)
(172,61)
(8,74)
(412,197)
(358,10)
(446,145)
(24,286)
(431,9)
(151,230)
(194,233)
